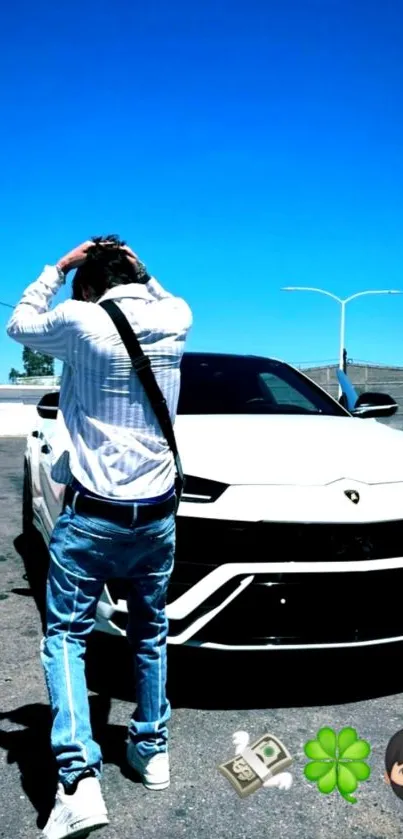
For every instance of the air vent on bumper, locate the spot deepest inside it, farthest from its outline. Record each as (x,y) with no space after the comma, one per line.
(202,490)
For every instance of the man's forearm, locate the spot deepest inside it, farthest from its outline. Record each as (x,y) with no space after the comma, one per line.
(32,323)
(37,296)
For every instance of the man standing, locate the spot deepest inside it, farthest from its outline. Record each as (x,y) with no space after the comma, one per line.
(118,518)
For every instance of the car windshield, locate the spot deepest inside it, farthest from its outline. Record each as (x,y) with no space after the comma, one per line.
(224,384)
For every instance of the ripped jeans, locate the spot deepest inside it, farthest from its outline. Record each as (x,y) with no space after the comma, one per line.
(85,552)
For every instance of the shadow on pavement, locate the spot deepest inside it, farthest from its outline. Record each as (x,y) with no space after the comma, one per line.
(29,748)
(195,682)
(35,559)
(197,678)
(206,679)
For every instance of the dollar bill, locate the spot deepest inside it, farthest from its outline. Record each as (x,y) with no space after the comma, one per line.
(248,771)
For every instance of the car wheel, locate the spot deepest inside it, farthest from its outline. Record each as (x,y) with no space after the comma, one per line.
(27,513)
(33,550)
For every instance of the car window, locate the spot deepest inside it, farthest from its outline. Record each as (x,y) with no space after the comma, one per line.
(283,393)
(220,384)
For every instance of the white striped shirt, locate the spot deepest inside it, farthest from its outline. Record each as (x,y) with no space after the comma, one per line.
(108,436)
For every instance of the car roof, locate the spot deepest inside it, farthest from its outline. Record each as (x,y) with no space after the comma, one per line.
(199,355)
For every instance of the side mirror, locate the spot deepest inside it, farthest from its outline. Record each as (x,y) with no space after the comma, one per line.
(48,406)
(374,405)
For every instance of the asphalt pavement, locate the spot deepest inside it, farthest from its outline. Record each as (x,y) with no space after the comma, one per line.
(212,696)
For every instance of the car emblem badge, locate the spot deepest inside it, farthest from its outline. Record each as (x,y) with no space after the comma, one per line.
(352,495)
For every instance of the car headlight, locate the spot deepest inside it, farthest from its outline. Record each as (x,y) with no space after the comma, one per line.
(202,490)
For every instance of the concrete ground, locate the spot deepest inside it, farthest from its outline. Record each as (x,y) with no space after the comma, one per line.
(289,695)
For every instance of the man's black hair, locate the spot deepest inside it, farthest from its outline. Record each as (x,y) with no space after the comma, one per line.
(394,754)
(106,266)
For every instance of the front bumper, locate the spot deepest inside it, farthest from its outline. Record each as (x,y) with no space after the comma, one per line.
(269,585)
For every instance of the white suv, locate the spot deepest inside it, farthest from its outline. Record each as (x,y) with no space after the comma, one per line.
(290,530)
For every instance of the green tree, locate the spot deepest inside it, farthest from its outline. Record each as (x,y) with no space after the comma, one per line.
(37,364)
(13,375)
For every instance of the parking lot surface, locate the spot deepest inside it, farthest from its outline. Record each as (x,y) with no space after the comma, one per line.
(212,696)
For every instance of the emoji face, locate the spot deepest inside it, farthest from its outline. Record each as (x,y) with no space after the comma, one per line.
(394,764)
(396,776)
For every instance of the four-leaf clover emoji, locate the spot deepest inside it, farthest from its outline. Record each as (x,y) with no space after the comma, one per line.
(337,760)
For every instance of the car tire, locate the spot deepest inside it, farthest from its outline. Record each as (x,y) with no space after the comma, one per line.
(27,511)
(33,550)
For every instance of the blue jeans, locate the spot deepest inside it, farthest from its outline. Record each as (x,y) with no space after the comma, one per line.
(84,553)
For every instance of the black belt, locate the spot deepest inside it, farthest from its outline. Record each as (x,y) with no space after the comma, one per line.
(121,513)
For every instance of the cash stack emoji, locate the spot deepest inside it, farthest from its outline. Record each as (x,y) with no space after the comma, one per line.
(261,764)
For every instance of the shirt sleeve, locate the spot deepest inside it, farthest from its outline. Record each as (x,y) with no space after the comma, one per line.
(178,303)
(34,325)
(157,291)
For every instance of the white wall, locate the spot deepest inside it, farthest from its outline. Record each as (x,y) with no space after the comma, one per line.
(18,408)
(23,394)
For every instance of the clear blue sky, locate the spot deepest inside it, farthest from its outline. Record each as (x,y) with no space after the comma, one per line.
(237,146)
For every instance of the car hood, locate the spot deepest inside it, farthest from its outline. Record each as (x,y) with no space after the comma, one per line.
(303,450)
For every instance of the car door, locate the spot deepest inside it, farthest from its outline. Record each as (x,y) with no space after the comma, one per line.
(52,493)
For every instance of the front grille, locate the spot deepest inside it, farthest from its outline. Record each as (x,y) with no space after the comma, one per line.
(203,545)
(320,608)
(213,543)
(328,609)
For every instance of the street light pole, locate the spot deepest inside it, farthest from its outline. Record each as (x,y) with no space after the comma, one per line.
(343,303)
(342,334)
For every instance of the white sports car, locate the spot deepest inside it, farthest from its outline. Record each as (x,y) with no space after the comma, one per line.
(290,530)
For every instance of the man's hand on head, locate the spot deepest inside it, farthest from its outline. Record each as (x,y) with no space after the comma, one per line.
(77,256)
(132,257)
(74,258)
(137,264)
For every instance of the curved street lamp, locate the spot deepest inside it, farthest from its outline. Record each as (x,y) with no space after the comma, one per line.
(343,303)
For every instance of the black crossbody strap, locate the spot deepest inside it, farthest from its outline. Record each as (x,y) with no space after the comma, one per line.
(142,366)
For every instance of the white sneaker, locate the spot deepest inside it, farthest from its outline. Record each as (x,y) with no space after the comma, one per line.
(154,771)
(77,814)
